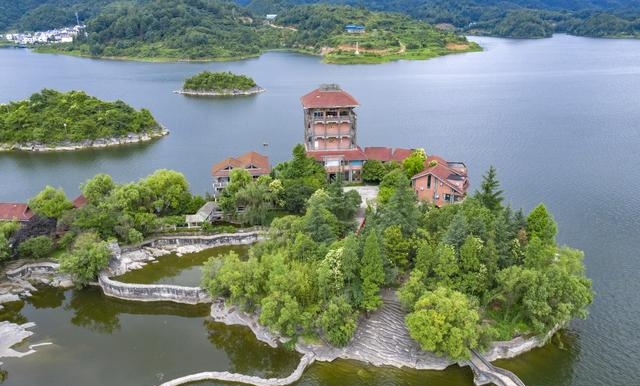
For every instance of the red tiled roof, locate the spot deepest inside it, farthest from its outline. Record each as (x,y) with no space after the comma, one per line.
(15,211)
(79,201)
(378,153)
(454,179)
(400,154)
(259,162)
(328,97)
(346,154)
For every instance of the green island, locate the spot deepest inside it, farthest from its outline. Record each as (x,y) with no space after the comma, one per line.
(216,30)
(209,83)
(467,274)
(53,120)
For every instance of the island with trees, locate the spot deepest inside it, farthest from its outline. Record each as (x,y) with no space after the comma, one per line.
(465,275)
(52,120)
(209,83)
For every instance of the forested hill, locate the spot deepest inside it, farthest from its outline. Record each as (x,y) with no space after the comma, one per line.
(213,29)
(40,15)
(506,18)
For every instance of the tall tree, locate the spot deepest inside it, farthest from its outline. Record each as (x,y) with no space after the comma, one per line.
(540,224)
(371,272)
(490,194)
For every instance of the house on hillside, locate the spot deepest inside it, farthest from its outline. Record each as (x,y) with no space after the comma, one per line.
(15,212)
(355,29)
(255,163)
(441,182)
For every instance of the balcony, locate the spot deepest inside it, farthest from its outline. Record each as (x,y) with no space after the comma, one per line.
(332,119)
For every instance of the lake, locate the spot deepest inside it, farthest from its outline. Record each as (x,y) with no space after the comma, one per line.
(559,118)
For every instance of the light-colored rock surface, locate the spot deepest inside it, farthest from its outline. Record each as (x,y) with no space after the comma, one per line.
(233,316)
(226,376)
(12,334)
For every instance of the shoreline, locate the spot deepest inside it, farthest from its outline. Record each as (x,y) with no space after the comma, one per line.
(223,93)
(368,345)
(99,143)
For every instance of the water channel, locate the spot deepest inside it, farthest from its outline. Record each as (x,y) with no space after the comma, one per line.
(558,118)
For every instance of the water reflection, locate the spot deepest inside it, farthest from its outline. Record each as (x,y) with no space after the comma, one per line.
(99,313)
(247,355)
(179,270)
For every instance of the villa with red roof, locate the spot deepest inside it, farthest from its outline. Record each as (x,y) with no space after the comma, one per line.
(255,163)
(441,182)
(330,133)
(15,212)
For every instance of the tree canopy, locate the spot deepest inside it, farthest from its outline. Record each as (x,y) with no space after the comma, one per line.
(52,117)
(218,82)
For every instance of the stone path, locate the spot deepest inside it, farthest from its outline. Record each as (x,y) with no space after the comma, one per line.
(383,340)
(484,372)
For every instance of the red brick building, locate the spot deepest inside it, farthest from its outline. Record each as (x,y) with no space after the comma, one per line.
(255,163)
(441,182)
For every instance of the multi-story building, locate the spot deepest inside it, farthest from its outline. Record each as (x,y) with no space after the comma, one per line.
(256,164)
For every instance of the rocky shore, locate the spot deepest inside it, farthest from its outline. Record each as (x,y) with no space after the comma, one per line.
(88,144)
(234,92)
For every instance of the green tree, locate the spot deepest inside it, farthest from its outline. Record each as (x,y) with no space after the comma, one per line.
(540,224)
(390,183)
(50,202)
(371,272)
(412,289)
(445,322)
(5,251)
(169,191)
(373,171)
(97,188)
(87,258)
(238,179)
(338,321)
(401,210)
(414,163)
(36,247)
(490,194)
(397,247)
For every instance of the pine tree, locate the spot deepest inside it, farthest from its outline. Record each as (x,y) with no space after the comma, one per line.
(490,194)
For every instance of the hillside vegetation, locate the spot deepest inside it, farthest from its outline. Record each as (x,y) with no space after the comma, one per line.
(218,82)
(52,117)
(509,18)
(216,30)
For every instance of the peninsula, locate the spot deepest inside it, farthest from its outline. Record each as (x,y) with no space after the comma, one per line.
(209,83)
(57,121)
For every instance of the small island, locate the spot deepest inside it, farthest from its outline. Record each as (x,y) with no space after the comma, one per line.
(54,121)
(209,83)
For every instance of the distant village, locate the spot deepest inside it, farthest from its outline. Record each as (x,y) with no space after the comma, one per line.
(54,36)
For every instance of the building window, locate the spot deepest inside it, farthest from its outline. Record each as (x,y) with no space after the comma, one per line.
(429,181)
(447,197)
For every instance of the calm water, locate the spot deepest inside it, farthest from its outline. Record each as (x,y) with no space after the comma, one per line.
(179,270)
(558,118)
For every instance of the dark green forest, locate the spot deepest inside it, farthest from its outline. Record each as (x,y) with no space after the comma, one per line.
(218,81)
(512,18)
(52,117)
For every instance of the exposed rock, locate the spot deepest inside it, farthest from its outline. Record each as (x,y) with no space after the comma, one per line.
(12,334)
(6,298)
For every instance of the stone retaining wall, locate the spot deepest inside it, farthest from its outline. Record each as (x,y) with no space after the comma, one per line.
(38,268)
(153,292)
(243,238)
